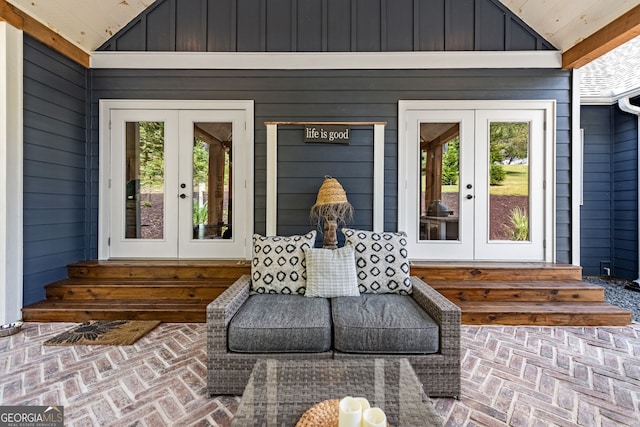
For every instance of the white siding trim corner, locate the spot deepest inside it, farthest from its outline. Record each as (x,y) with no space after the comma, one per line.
(378,177)
(272,179)
(104,169)
(576,168)
(11,180)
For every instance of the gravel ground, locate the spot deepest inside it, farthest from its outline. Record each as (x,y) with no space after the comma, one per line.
(616,294)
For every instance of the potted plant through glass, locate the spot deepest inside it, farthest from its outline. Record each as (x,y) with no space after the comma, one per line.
(200,219)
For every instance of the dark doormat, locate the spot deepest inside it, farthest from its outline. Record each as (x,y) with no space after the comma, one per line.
(104,332)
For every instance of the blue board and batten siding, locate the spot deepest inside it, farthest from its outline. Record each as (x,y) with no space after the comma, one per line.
(55,166)
(326,26)
(332,95)
(609,215)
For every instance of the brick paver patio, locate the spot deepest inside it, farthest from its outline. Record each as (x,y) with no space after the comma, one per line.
(516,376)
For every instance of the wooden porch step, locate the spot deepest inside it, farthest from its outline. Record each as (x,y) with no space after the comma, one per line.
(539,313)
(179,291)
(83,310)
(497,271)
(160,269)
(519,290)
(142,289)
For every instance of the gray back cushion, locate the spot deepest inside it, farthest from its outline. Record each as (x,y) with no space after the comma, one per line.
(277,323)
(383,323)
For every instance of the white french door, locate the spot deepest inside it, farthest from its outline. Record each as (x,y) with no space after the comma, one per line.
(443,218)
(177,183)
(475,180)
(513,209)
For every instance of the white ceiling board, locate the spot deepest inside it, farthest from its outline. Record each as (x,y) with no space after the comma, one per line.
(565,23)
(86,23)
(594,18)
(552,15)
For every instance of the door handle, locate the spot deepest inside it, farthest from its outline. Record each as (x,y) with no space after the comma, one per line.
(183,196)
(469,196)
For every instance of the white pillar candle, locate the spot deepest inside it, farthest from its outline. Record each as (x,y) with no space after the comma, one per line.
(374,417)
(364,403)
(350,412)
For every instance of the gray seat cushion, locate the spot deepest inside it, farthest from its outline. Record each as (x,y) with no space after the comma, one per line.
(375,323)
(281,324)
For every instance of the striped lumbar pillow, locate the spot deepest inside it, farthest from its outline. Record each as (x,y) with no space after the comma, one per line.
(331,272)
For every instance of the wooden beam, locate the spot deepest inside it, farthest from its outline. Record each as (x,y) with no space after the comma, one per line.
(604,40)
(9,15)
(19,19)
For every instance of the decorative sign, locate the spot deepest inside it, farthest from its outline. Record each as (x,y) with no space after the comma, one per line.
(333,134)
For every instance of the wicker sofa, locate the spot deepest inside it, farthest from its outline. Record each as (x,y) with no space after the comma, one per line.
(228,371)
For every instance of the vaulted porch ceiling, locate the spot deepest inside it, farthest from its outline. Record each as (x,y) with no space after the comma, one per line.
(581,29)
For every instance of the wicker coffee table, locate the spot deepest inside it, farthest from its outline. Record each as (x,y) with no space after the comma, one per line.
(280,391)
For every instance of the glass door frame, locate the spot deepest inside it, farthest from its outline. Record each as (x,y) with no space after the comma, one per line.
(408,168)
(189,247)
(164,246)
(462,247)
(243,167)
(533,246)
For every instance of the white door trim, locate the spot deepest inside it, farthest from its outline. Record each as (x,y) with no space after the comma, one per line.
(11,180)
(405,157)
(105,108)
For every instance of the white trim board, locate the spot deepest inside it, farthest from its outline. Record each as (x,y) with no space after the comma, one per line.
(577,163)
(272,176)
(326,60)
(11,180)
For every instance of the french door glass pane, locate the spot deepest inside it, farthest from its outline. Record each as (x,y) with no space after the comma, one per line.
(439,181)
(509,181)
(212,186)
(144,207)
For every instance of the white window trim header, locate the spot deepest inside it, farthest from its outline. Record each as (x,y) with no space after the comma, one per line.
(326,60)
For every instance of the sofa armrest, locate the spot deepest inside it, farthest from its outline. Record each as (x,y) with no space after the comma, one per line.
(444,312)
(221,310)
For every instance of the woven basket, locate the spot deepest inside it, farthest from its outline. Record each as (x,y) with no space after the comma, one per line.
(323,414)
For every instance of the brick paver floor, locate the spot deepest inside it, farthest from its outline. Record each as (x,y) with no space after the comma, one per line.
(515,376)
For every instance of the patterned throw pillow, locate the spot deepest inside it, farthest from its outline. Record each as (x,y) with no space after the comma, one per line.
(382,261)
(331,272)
(278,265)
